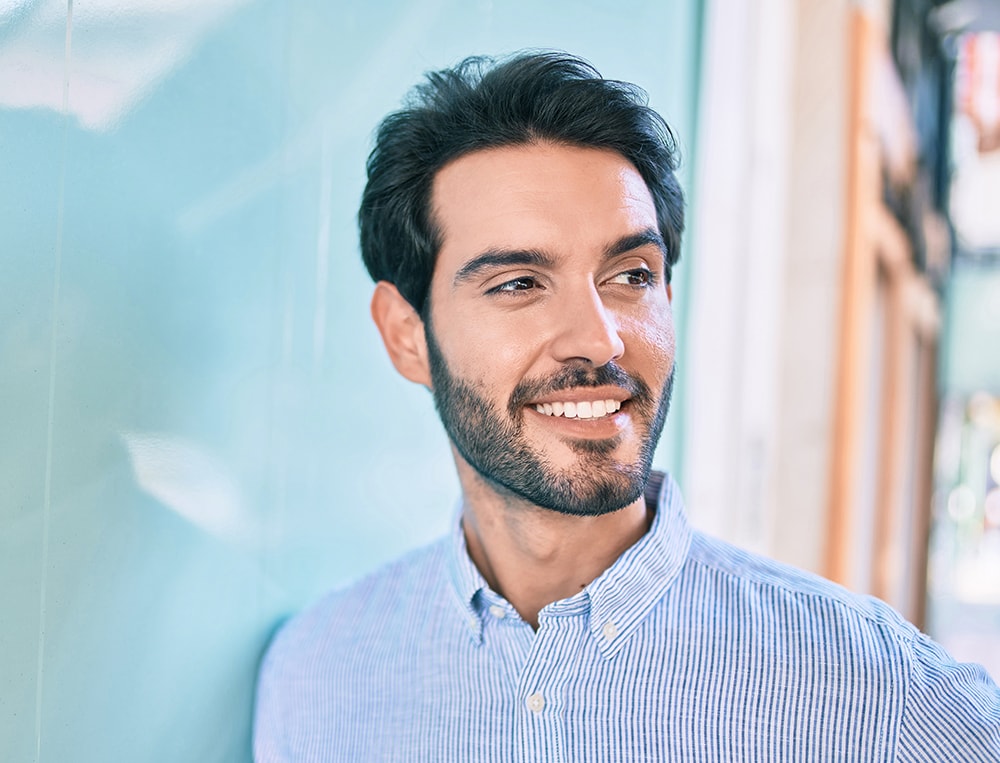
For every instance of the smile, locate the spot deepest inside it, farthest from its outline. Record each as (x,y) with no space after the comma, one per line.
(584,409)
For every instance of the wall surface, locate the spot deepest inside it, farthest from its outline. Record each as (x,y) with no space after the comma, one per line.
(814,247)
(767,246)
(199,430)
(738,269)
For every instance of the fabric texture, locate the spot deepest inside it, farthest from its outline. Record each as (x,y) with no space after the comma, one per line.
(685,649)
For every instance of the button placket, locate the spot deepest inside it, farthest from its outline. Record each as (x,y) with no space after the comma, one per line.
(543,683)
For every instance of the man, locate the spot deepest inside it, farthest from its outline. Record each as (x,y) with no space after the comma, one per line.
(522,220)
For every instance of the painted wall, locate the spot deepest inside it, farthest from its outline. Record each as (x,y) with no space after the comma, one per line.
(766,267)
(199,431)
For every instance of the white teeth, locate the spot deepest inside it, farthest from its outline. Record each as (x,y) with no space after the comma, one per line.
(584,409)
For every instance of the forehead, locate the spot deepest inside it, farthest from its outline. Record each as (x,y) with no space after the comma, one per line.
(566,200)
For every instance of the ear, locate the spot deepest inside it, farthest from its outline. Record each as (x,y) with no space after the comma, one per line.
(670,293)
(402,333)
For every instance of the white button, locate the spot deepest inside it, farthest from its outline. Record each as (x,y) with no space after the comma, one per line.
(609,630)
(536,702)
(497,611)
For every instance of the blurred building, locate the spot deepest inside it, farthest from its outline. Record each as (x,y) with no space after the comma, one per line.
(828,277)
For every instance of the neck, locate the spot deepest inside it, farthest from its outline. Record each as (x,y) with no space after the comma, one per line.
(534,556)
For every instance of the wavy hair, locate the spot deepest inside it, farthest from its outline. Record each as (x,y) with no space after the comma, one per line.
(485,103)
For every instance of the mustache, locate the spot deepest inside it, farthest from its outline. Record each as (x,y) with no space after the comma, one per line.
(578,375)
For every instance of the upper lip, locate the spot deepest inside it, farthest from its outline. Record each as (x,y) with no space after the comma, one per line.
(583,395)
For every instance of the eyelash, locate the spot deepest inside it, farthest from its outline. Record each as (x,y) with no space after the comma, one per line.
(508,287)
(649,277)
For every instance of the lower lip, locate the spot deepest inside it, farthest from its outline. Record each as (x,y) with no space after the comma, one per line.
(600,428)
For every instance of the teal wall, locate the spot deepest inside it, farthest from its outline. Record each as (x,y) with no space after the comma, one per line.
(199,431)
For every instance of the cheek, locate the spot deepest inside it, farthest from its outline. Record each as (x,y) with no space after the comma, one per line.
(653,343)
(488,352)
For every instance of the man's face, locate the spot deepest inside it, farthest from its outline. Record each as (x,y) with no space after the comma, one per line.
(550,336)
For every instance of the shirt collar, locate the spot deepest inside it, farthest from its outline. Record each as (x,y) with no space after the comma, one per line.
(466,580)
(619,599)
(623,595)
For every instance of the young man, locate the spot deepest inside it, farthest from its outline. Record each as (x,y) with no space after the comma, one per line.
(521,221)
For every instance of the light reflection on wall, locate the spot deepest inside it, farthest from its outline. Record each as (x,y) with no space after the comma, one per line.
(187,478)
(110,71)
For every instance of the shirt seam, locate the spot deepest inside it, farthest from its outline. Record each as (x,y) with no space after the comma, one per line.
(905,705)
(901,629)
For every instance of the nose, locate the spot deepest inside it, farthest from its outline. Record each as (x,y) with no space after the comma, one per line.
(587,330)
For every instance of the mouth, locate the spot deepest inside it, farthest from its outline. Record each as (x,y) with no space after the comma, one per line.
(580,409)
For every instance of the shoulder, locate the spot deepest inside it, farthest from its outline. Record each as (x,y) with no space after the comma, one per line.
(785,585)
(952,710)
(934,707)
(307,687)
(372,605)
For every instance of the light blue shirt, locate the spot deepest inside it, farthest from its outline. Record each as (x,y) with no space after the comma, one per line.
(685,649)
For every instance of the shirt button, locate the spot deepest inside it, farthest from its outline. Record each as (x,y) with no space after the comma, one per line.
(497,611)
(609,630)
(536,702)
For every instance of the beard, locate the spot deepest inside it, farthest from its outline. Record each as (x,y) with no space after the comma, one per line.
(493,442)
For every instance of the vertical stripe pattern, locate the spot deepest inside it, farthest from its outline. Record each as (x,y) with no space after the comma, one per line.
(686,649)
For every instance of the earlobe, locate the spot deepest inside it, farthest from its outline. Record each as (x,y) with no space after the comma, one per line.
(402,333)
(670,293)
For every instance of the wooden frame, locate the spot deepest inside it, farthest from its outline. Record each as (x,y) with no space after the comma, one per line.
(878,255)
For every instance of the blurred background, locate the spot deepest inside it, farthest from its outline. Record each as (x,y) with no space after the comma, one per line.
(199,430)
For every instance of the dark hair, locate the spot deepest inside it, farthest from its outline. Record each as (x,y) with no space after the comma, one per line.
(479,104)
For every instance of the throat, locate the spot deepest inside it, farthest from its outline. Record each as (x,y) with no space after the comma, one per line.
(536,557)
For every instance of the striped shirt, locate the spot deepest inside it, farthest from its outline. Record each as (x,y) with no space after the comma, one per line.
(685,649)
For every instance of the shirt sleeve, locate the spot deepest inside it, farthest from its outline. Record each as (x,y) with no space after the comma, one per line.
(952,709)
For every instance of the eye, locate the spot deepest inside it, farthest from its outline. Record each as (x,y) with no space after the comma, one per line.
(640,277)
(524,283)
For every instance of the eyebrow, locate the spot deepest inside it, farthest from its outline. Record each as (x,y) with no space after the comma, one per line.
(494,258)
(637,241)
(498,258)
